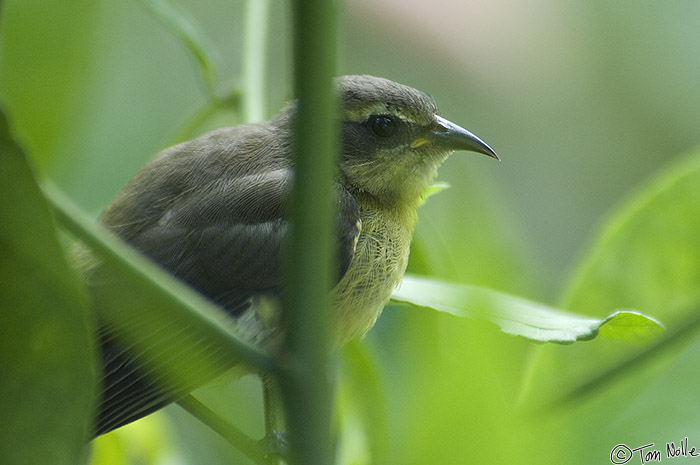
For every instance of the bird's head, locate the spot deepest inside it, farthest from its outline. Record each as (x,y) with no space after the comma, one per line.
(394,140)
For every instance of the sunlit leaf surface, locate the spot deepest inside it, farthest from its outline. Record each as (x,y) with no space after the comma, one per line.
(521,317)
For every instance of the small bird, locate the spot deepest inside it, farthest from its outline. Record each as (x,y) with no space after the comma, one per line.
(211,211)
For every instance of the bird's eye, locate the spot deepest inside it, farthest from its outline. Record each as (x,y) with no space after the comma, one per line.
(383,125)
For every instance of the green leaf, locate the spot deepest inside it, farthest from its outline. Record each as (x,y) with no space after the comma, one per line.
(46,350)
(361,407)
(521,317)
(646,257)
(45,90)
(631,326)
(435,188)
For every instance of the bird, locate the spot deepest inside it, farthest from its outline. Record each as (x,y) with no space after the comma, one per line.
(212,212)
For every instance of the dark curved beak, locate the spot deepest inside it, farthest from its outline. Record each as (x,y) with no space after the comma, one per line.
(453,137)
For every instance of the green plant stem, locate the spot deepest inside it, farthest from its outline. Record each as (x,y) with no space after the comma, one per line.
(185,304)
(226,430)
(305,381)
(187,32)
(254,59)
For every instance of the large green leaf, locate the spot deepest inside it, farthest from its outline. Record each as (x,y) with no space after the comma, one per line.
(646,257)
(46,351)
(46,90)
(521,317)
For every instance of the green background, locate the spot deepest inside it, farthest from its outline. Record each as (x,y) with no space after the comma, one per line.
(588,103)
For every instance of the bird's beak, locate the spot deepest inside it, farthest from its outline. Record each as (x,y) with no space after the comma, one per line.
(453,137)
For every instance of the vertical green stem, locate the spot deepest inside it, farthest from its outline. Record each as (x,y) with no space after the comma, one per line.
(306,384)
(254,59)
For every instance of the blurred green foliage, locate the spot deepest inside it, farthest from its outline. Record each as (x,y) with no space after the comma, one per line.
(583,101)
(46,350)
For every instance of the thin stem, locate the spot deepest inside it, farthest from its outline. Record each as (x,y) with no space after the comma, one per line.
(187,32)
(305,383)
(273,421)
(226,430)
(255,59)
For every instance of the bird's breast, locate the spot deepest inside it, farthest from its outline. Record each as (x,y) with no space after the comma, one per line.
(377,266)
